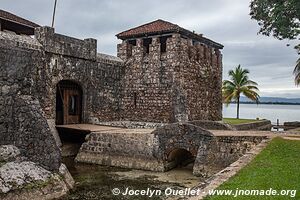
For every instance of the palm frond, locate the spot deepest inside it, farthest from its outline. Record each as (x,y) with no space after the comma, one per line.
(238,84)
(252,95)
(250,82)
(250,87)
(297,72)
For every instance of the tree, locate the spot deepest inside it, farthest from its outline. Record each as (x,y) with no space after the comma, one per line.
(297,72)
(238,84)
(277,17)
(281,18)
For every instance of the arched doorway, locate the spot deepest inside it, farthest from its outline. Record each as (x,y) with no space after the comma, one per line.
(179,157)
(68,103)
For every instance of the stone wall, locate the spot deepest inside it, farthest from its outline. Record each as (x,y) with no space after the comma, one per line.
(147,83)
(181,84)
(130,124)
(31,68)
(225,174)
(76,60)
(22,121)
(212,125)
(223,151)
(201,71)
(154,87)
(180,136)
(105,88)
(258,125)
(142,148)
(151,149)
(63,45)
(128,149)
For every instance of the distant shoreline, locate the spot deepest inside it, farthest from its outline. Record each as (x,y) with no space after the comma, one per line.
(269,103)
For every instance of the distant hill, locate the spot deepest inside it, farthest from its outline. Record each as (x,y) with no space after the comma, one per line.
(273,100)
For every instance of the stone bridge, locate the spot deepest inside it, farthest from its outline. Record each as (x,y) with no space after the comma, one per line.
(180,142)
(164,148)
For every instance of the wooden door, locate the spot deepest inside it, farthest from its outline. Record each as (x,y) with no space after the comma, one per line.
(72,106)
(68,103)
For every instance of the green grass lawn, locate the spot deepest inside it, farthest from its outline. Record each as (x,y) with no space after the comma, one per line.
(234,121)
(276,167)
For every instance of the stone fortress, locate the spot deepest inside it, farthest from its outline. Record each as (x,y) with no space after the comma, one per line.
(156,98)
(171,74)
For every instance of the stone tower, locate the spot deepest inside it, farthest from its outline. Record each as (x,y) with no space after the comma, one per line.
(171,74)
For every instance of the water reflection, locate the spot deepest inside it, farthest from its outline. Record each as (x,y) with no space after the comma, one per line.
(96,182)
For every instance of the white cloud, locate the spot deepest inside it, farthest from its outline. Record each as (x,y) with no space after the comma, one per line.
(269,60)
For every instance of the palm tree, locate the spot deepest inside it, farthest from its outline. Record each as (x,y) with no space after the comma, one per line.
(238,84)
(297,72)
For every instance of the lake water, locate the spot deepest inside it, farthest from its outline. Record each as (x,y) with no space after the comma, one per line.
(284,113)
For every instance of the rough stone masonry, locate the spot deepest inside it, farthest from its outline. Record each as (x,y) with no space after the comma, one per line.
(170,74)
(162,149)
(163,74)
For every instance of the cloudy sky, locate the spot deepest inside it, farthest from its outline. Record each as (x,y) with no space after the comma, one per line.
(226,21)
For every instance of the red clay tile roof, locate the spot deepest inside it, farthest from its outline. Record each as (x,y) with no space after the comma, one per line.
(160,27)
(16,19)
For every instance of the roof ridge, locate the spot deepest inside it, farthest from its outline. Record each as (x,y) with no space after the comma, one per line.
(19,20)
(138,27)
(152,22)
(175,25)
(159,27)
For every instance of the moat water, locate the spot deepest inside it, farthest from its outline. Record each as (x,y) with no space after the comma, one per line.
(94,182)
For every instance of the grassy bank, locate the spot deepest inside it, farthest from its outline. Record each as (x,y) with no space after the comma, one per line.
(276,167)
(234,121)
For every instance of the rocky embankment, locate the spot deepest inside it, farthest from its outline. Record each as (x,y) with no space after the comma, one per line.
(21,179)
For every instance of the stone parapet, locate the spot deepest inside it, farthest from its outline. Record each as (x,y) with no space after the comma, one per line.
(65,45)
(223,151)
(128,124)
(212,125)
(259,125)
(19,41)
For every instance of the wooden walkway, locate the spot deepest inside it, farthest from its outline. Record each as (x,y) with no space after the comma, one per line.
(88,128)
